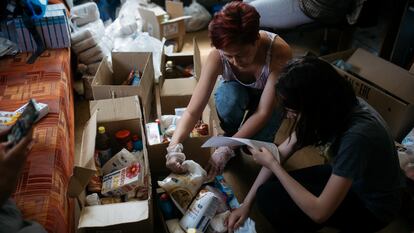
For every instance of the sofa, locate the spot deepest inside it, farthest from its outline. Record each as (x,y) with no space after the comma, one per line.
(41,192)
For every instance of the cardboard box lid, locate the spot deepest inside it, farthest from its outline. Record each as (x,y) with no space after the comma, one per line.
(118,109)
(108,215)
(178,87)
(393,79)
(101,111)
(174,9)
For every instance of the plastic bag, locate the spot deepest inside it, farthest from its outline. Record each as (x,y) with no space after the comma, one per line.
(217,224)
(183,187)
(200,17)
(248,226)
(84,13)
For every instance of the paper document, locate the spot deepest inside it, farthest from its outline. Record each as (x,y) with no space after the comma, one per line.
(217,141)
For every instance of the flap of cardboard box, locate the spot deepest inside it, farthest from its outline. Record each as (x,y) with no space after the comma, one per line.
(387,76)
(108,215)
(174,9)
(103,75)
(84,162)
(117,109)
(178,87)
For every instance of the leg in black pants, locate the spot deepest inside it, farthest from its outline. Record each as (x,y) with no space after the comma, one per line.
(280,210)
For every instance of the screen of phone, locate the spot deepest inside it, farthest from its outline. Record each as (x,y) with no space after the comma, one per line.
(24,123)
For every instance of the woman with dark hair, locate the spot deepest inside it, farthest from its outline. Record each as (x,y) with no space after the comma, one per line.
(359,190)
(247,62)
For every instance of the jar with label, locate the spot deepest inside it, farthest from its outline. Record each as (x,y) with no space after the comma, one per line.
(123,138)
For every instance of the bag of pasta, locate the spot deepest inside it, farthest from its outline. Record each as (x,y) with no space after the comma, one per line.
(183,187)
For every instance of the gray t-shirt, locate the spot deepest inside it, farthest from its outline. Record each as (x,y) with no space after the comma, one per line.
(366,154)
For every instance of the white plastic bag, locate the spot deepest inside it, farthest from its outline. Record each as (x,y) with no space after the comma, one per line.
(84,13)
(248,226)
(200,17)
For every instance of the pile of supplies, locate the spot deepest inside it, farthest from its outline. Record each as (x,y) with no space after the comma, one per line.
(187,202)
(121,174)
(163,129)
(89,42)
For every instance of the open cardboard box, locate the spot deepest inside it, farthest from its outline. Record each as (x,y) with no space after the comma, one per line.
(177,92)
(385,86)
(192,145)
(133,216)
(172,29)
(107,81)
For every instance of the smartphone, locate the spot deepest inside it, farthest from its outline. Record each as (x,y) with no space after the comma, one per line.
(24,123)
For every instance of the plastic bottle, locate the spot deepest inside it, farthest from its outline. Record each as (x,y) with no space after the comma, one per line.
(166,206)
(136,143)
(136,79)
(124,139)
(102,145)
(170,70)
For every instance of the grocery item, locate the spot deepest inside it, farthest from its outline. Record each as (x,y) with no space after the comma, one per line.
(93,199)
(183,187)
(122,181)
(136,143)
(122,159)
(102,145)
(123,137)
(201,211)
(218,223)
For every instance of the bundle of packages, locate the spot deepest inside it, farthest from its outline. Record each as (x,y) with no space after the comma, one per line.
(89,42)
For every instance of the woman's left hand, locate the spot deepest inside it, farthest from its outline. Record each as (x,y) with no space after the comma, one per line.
(263,157)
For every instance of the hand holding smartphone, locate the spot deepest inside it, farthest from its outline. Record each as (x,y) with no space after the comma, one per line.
(24,123)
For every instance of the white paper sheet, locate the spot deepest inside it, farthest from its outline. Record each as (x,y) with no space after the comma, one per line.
(217,141)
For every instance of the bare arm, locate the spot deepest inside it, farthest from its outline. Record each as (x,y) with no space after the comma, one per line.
(281,54)
(239,215)
(318,208)
(285,151)
(200,97)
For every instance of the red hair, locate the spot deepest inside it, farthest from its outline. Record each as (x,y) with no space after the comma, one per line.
(237,22)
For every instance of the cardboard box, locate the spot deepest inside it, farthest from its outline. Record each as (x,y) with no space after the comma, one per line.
(134,216)
(386,87)
(53,29)
(172,29)
(107,80)
(177,92)
(192,145)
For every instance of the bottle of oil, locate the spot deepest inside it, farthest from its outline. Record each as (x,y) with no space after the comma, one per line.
(102,145)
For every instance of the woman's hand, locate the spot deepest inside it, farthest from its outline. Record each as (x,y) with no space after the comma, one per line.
(237,217)
(218,161)
(264,157)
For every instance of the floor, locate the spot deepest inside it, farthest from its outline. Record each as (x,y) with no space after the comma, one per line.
(241,172)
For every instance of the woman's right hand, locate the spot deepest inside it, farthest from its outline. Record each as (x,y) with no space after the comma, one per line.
(237,217)
(175,158)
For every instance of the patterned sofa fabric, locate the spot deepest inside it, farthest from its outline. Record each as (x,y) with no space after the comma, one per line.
(41,192)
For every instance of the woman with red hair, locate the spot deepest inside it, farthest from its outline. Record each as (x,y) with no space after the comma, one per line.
(247,61)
